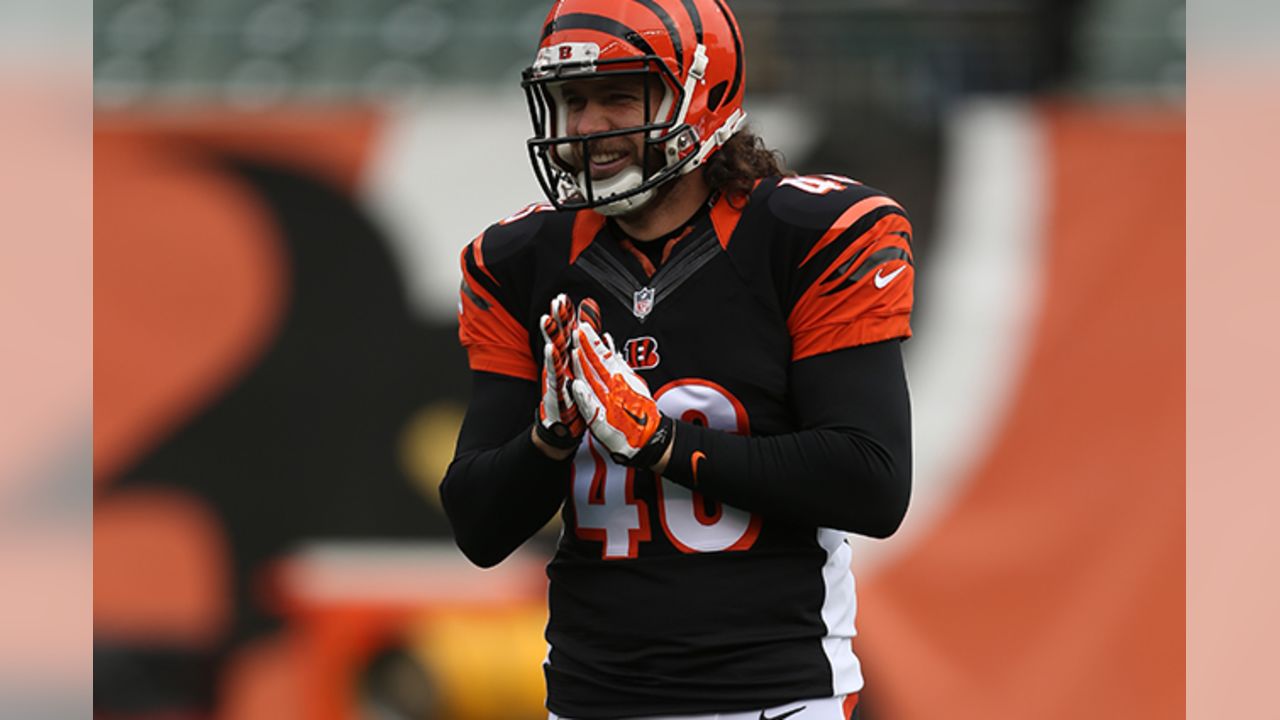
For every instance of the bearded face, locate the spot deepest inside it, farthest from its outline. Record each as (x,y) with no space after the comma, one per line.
(604,104)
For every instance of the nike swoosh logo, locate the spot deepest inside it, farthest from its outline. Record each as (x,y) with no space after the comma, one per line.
(786,714)
(697,457)
(640,420)
(882,280)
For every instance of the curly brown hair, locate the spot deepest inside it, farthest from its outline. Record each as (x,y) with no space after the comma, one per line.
(735,167)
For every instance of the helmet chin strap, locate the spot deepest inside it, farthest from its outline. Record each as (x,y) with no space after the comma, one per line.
(628,178)
(719,137)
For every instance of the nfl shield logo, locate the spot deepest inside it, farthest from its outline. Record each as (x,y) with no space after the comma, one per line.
(642,302)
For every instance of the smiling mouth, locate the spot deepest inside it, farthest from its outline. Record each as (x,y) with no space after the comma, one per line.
(606,164)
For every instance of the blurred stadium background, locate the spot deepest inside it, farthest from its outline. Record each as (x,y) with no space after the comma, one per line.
(281,191)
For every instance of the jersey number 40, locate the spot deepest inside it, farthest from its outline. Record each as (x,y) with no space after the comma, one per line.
(608,511)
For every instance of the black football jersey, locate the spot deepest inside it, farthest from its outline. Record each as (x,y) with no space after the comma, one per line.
(662,600)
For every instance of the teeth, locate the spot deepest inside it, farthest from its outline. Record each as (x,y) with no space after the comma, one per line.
(604,158)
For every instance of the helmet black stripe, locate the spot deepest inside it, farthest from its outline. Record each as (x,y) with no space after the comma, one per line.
(695,17)
(672,30)
(737,50)
(609,26)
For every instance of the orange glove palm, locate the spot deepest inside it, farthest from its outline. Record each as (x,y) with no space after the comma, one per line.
(616,402)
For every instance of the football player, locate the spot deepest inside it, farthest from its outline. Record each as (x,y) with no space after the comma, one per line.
(694,358)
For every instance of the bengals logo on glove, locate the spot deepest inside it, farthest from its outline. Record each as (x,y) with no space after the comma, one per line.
(614,400)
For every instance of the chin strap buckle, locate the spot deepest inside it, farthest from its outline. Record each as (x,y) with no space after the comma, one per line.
(678,146)
(719,137)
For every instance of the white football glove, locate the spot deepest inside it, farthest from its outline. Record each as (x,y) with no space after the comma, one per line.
(615,401)
(559,423)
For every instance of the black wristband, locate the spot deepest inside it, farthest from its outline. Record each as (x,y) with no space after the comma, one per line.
(649,455)
(557,435)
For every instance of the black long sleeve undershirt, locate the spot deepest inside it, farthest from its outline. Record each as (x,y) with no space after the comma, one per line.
(500,488)
(848,468)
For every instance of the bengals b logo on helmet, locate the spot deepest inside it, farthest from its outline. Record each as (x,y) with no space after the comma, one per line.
(641,353)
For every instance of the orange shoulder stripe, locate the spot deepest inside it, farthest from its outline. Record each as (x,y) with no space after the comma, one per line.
(477,247)
(495,341)
(863,331)
(820,323)
(847,219)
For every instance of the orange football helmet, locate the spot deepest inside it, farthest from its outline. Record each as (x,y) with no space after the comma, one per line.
(693,47)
